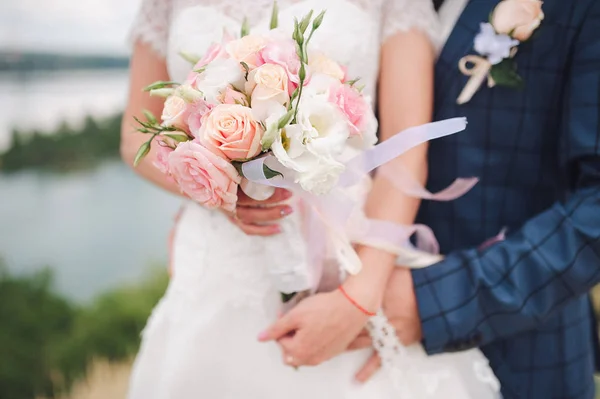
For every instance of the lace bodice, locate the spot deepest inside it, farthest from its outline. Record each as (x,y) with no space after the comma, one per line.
(352,32)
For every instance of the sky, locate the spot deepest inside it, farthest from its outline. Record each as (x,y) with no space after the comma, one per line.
(67,26)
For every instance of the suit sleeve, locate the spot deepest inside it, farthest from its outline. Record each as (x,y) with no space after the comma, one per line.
(473,298)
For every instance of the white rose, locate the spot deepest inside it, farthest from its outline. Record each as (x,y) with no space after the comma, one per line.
(218,75)
(311,146)
(322,178)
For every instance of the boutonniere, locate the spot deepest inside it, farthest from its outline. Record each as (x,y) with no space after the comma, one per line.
(511,23)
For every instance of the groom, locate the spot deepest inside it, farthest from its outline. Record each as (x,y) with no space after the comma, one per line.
(524,300)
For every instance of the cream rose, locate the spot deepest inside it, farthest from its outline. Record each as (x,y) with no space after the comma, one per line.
(246,49)
(518,18)
(319,63)
(175,113)
(266,85)
(232,96)
(233,130)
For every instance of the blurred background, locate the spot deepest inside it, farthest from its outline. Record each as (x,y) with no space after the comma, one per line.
(82,239)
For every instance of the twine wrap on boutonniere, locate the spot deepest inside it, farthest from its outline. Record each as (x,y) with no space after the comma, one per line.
(511,23)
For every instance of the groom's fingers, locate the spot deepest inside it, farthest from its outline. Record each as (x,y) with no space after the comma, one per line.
(360,342)
(280,329)
(369,369)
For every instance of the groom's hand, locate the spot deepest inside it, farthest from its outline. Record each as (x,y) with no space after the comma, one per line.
(258,217)
(400,307)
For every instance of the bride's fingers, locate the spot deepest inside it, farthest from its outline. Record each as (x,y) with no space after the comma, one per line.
(251,215)
(369,369)
(360,342)
(279,196)
(256,230)
(282,327)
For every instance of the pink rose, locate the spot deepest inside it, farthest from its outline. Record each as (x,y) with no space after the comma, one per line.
(283,53)
(204,176)
(518,18)
(246,49)
(161,162)
(232,96)
(352,104)
(196,112)
(175,113)
(233,130)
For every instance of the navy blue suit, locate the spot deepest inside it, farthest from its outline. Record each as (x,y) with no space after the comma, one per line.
(524,301)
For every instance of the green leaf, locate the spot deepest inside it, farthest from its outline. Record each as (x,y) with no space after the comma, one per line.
(142,152)
(353,82)
(166,92)
(302,72)
(305,22)
(298,36)
(270,173)
(160,85)
(505,74)
(145,124)
(200,70)
(245,27)
(274,16)
(285,298)
(191,58)
(246,68)
(180,138)
(319,20)
(285,119)
(150,117)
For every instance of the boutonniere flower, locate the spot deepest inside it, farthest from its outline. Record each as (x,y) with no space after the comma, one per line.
(511,23)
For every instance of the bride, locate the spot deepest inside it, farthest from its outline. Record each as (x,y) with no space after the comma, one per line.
(209,337)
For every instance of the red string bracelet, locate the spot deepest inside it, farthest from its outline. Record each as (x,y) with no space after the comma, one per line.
(353,302)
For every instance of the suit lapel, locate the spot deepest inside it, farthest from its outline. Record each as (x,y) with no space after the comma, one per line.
(460,43)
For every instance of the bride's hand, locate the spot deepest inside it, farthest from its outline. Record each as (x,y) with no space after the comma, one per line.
(323,326)
(317,329)
(257,217)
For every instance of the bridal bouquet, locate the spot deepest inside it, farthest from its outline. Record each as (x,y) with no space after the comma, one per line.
(251,97)
(267,110)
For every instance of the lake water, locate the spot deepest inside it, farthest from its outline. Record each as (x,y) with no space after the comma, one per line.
(96,228)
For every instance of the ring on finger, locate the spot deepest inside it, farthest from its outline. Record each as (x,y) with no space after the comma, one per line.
(290,361)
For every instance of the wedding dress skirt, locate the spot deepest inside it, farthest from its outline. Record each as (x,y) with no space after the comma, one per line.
(201,340)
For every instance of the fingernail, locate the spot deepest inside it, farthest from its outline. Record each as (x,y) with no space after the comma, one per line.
(287,194)
(288,210)
(262,336)
(276,229)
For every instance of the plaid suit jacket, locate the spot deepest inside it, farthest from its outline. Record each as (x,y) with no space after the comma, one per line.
(537,151)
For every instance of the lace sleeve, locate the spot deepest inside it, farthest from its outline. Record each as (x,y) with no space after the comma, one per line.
(403,15)
(151,24)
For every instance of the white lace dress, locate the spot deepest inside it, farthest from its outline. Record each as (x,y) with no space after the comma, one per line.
(201,341)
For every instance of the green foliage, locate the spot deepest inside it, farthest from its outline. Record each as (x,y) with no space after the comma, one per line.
(110,327)
(33,318)
(46,342)
(64,149)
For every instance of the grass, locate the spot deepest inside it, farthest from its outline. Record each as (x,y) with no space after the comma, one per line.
(103,380)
